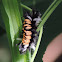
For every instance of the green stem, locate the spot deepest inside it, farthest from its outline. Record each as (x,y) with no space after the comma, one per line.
(48,12)
(38,43)
(44,18)
(26,7)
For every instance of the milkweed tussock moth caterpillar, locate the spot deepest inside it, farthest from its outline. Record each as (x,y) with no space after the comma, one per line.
(29,31)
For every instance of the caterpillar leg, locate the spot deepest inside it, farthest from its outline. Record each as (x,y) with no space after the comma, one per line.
(20,39)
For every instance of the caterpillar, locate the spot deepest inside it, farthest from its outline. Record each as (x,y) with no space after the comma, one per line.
(29,31)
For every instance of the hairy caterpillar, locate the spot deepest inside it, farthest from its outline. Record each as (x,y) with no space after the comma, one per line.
(29,31)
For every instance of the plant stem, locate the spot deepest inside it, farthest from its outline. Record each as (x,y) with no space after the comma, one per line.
(48,12)
(44,18)
(37,46)
(26,7)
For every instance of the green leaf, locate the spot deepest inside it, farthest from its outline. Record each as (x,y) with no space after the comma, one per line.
(6,22)
(13,24)
(11,8)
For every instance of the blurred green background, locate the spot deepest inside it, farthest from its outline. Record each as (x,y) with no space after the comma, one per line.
(52,27)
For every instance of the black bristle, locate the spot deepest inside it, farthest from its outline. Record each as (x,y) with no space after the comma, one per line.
(34,15)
